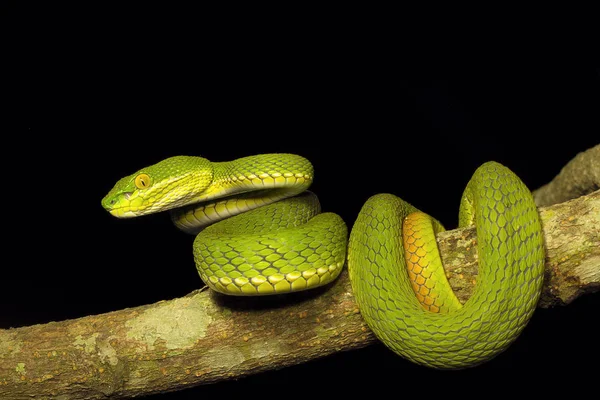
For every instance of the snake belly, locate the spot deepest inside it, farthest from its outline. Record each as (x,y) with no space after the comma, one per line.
(511,259)
(259,231)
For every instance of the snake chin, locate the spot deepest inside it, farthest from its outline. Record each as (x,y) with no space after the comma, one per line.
(120,205)
(120,213)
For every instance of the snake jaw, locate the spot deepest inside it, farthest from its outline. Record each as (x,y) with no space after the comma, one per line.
(171,183)
(119,205)
(121,213)
(136,203)
(168,194)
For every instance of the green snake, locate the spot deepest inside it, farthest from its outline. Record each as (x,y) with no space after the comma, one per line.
(259,232)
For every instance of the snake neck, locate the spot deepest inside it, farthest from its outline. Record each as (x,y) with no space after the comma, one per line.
(243,185)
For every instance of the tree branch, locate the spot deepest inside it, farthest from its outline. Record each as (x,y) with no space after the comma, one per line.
(581,175)
(205,337)
(572,237)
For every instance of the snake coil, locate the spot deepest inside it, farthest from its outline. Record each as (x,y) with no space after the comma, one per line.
(260,232)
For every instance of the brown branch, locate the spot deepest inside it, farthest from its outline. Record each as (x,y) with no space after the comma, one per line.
(572,239)
(204,337)
(581,175)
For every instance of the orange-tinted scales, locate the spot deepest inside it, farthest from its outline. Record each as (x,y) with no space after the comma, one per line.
(424,264)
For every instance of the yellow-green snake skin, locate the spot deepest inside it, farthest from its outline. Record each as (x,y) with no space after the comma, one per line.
(260,232)
(278,243)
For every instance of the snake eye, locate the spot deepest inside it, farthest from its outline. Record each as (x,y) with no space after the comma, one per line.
(142,181)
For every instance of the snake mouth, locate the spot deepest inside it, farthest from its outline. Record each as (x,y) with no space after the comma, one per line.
(122,212)
(119,206)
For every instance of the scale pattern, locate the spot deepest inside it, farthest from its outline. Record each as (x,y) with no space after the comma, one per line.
(279,243)
(424,264)
(511,259)
(245,184)
(274,249)
(258,230)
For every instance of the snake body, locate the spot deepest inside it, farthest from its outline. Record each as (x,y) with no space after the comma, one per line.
(260,232)
(511,260)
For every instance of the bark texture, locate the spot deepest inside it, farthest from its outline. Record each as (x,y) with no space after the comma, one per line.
(580,176)
(205,337)
(572,239)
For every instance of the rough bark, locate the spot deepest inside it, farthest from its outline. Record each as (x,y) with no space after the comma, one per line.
(205,337)
(581,175)
(572,239)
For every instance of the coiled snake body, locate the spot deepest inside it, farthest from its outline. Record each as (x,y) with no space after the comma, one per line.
(260,232)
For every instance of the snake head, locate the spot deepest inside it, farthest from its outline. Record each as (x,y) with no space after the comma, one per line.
(171,183)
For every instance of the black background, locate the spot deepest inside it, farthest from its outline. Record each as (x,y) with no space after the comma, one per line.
(111,92)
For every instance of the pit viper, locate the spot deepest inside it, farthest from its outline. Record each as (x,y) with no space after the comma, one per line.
(259,232)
